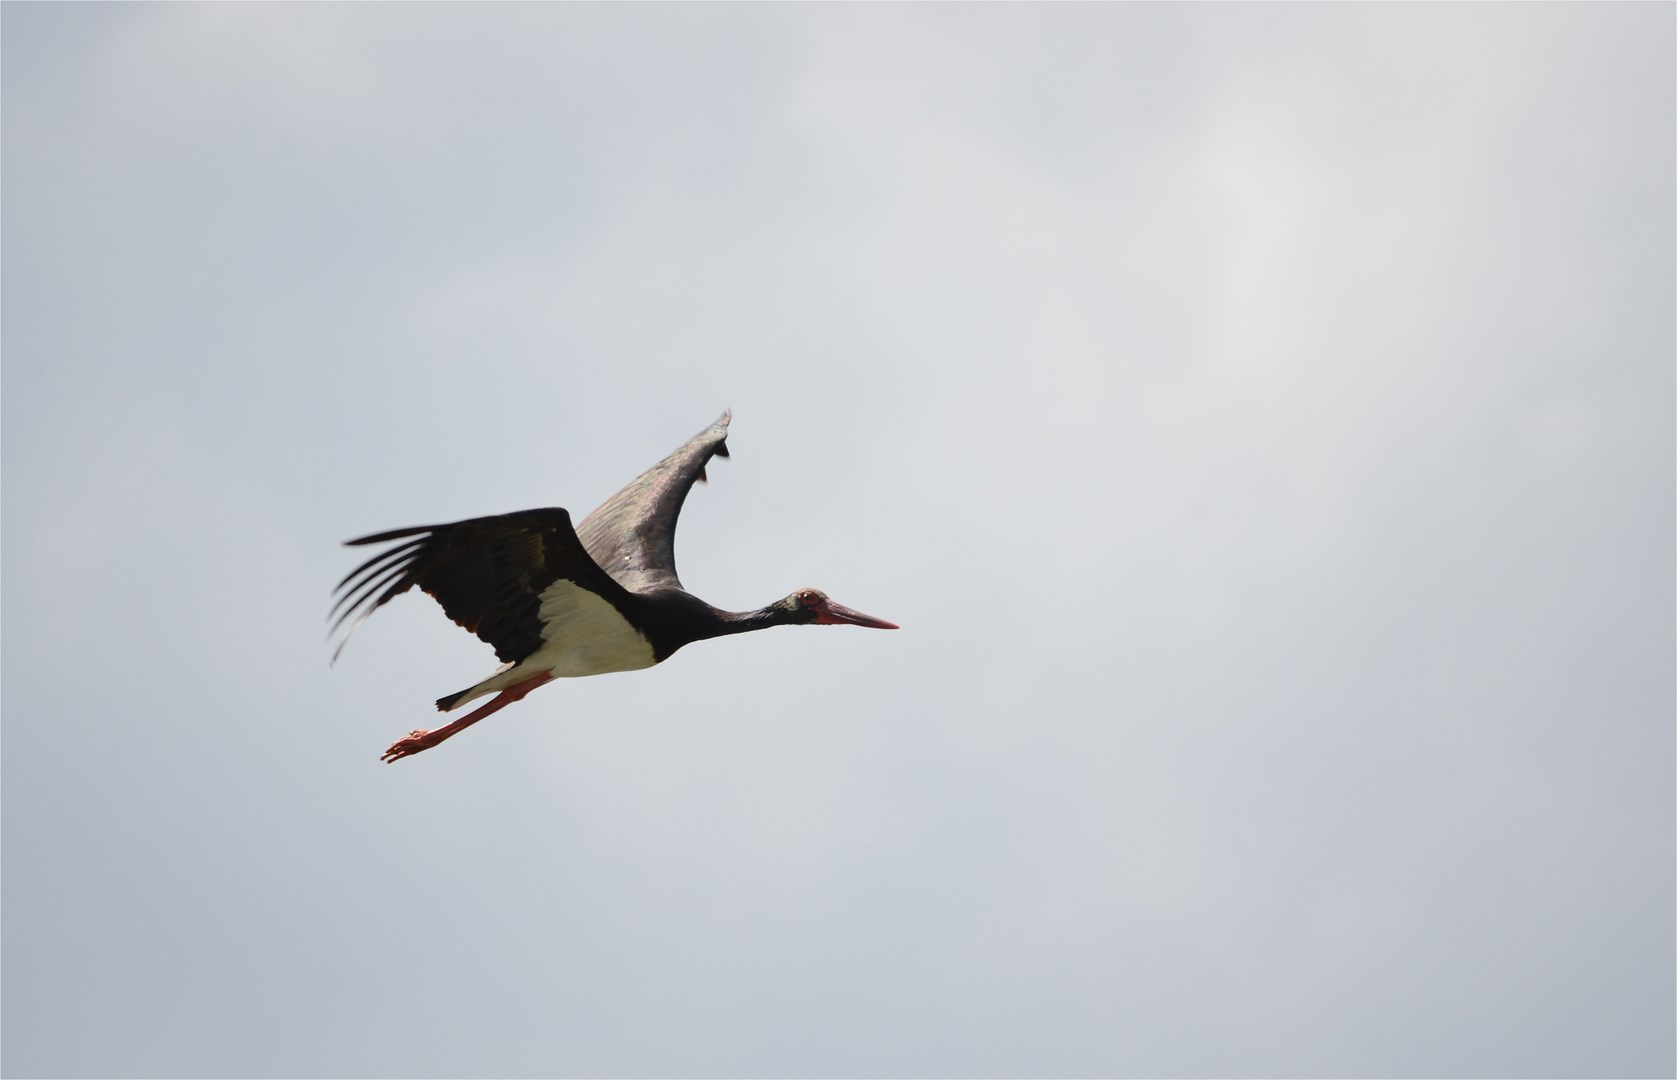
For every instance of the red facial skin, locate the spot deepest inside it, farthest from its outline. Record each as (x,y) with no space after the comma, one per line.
(828,613)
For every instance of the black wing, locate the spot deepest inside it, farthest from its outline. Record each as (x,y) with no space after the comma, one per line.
(632,534)
(488,573)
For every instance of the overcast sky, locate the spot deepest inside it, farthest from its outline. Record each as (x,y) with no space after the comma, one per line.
(1259,419)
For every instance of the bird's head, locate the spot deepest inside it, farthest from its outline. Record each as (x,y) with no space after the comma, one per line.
(812,606)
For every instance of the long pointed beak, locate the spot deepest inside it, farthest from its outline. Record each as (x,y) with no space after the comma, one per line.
(832,613)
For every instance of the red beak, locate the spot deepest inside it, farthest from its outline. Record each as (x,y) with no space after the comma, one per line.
(832,613)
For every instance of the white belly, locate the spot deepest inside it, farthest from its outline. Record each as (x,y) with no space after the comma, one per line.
(586,636)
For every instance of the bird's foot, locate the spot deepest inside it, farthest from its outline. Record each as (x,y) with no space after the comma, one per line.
(413,744)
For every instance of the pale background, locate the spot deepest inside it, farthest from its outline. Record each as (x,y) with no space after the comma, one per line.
(1260,420)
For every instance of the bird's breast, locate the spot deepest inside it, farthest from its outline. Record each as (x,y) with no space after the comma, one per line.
(583,634)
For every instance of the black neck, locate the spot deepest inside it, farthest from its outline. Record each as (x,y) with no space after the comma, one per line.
(673,619)
(743,622)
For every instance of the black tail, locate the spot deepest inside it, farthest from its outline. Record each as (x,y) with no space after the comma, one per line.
(446,703)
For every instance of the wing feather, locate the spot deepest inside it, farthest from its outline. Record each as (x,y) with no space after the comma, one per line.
(389,554)
(488,574)
(632,534)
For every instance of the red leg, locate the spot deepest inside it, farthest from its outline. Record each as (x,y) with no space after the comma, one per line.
(424,740)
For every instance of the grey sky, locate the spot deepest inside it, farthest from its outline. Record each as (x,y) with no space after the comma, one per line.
(1259,419)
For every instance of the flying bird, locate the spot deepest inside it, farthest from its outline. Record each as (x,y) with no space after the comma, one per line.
(560,602)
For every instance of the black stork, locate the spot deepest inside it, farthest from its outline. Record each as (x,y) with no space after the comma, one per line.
(560,602)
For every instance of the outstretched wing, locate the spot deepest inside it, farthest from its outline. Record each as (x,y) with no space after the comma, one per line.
(632,534)
(488,573)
